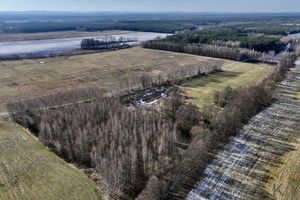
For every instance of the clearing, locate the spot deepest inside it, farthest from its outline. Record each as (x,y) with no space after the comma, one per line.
(29,171)
(37,77)
(200,90)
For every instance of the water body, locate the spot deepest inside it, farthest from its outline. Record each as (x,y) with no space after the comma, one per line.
(147,98)
(54,46)
(240,168)
(277,57)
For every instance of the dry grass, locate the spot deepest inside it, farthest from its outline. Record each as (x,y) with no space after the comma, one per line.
(200,90)
(29,78)
(29,171)
(55,35)
(288,172)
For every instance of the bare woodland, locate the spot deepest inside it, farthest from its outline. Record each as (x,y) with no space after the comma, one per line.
(145,81)
(218,50)
(123,145)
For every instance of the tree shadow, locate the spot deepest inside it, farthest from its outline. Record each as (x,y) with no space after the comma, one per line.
(212,78)
(241,168)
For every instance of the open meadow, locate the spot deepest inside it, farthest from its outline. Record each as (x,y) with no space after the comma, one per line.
(200,90)
(25,79)
(30,171)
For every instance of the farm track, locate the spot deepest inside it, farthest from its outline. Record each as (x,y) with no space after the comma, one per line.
(4,114)
(241,169)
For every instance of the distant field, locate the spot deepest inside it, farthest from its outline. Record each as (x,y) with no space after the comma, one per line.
(55,35)
(29,171)
(201,90)
(29,78)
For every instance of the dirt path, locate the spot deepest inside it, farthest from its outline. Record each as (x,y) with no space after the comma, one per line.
(3,114)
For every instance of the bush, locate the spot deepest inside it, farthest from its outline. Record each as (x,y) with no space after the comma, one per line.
(187,116)
(155,189)
(222,98)
(172,104)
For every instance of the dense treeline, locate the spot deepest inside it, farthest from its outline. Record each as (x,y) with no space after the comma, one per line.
(150,22)
(38,27)
(238,42)
(270,29)
(145,81)
(242,35)
(253,37)
(234,53)
(262,44)
(105,42)
(161,26)
(124,146)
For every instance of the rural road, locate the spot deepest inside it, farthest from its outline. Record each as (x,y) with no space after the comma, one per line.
(240,169)
(2,114)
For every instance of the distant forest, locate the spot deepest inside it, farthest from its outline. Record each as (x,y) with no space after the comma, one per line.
(149,22)
(259,37)
(235,42)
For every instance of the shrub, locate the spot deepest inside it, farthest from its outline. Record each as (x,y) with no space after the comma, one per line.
(187,116)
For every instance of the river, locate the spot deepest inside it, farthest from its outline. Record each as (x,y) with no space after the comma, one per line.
(54,46)
(240,169)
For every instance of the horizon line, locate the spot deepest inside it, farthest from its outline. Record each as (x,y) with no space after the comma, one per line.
(195,12)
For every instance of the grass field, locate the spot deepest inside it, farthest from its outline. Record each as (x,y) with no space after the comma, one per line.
(55,35)
(29,171)
(200,90)
(29,78)
(288,172)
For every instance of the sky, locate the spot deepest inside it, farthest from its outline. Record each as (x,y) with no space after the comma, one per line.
(153,5)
